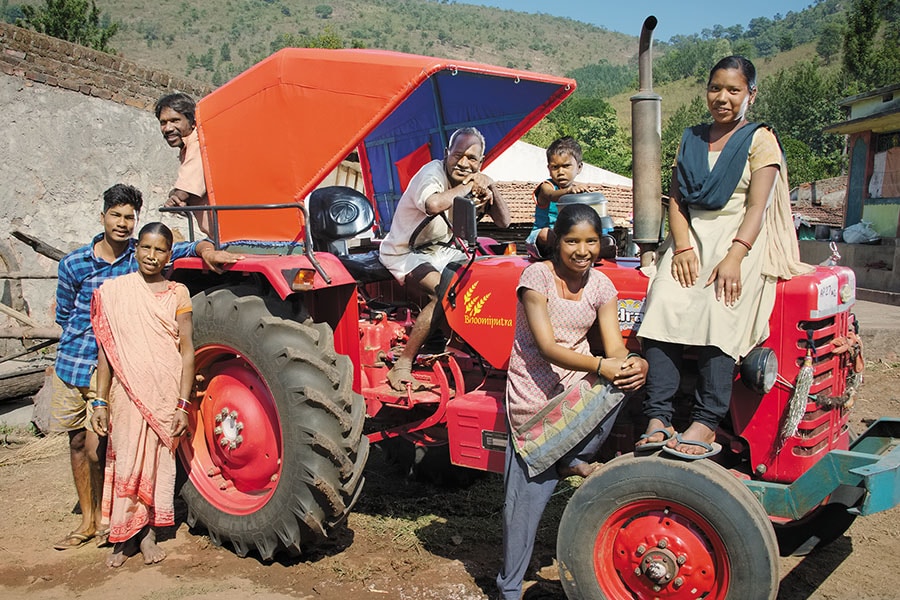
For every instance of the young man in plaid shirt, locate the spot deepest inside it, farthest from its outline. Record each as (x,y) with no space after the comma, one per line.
(109,254)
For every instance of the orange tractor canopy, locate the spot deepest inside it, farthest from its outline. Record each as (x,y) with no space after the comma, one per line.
(273,133)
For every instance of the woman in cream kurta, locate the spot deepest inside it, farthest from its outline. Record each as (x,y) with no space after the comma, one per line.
(692,315)
(731,238)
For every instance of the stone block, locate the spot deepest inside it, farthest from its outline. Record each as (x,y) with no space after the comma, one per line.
(101,93)
(34,76)
(69,84)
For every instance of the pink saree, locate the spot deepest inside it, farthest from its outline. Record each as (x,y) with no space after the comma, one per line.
(138,331)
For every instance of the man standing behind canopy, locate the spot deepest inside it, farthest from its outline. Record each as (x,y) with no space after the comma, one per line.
(176,114)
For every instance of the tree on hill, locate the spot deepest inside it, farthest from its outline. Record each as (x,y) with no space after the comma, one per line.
(592,121)
(871,45)
(799,102)
(75,21)
(11,12)
(687,115)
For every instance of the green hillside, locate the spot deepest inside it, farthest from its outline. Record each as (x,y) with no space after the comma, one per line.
(798,56)
(212,40)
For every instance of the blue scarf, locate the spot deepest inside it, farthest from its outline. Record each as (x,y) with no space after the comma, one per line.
(705,189)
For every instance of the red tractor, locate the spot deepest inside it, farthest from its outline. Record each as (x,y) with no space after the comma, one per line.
(294,342)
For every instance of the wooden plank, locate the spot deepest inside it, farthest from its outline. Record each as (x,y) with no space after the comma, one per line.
(21,317)
(39,246)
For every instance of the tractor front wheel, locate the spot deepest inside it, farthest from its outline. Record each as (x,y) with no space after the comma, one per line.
(654,527)
(276,452)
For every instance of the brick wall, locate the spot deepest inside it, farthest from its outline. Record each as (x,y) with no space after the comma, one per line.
(51,61)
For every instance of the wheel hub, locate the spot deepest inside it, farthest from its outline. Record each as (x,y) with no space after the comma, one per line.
(659,566)
(242,449)
(664,555)
(228,430)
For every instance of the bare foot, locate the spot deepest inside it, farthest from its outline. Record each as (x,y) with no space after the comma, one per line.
(121,552)
(151,551)
(582,469)
(655,435)
(401,375)
(697,432)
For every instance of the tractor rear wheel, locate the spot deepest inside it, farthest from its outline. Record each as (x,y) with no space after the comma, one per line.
(654,527)
(276,452)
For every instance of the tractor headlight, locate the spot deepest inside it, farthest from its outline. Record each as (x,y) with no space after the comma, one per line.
(759,369)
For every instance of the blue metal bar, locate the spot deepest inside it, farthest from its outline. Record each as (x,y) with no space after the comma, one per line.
(873,462)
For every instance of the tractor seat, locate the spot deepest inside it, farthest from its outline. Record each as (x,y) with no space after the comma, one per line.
(337,214)
(365,268)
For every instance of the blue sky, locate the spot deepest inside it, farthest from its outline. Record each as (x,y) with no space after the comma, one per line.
(675,17)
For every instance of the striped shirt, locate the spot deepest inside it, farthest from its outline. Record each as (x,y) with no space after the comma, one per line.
(80,273)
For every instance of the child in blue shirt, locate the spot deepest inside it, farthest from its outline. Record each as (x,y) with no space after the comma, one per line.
(564,164)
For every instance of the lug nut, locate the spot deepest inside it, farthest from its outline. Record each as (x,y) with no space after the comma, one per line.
(678,582)
(223,442)
(641,549)
(217,430)
(681,559)
(662,543)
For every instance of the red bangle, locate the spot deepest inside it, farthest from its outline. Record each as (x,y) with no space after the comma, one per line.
(677,252)
(743,243)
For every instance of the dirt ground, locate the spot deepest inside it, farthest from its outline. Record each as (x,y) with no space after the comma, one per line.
(405,540)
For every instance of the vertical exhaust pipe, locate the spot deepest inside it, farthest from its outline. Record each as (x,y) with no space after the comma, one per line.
(646,151)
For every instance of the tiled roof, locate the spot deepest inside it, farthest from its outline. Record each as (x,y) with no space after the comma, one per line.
(519,197)
(820,215)
(820,202)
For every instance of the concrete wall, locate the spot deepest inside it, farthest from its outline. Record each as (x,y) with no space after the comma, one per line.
(877,267)
(75,122)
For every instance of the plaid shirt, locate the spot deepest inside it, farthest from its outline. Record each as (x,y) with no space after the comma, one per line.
(80,273)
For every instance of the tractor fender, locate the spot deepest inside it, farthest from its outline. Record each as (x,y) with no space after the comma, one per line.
(280,270)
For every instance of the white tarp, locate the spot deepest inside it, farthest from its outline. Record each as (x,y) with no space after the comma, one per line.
(526,162)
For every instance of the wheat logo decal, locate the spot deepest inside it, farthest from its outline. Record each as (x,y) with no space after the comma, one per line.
(473,305)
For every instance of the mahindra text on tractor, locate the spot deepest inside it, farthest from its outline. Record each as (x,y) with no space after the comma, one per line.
(293,343)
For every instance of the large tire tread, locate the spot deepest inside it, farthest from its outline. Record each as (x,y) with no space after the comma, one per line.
(733,515)
(323,449)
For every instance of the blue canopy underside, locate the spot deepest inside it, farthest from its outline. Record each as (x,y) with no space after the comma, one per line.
(439,110)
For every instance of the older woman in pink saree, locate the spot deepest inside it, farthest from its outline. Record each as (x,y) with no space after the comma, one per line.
(145,373)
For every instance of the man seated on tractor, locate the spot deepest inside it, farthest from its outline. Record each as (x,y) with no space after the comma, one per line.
(419,244)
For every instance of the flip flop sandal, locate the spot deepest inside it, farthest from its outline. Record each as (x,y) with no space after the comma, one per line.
(711,449)
(103,538)
(654,445)
(79,539)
